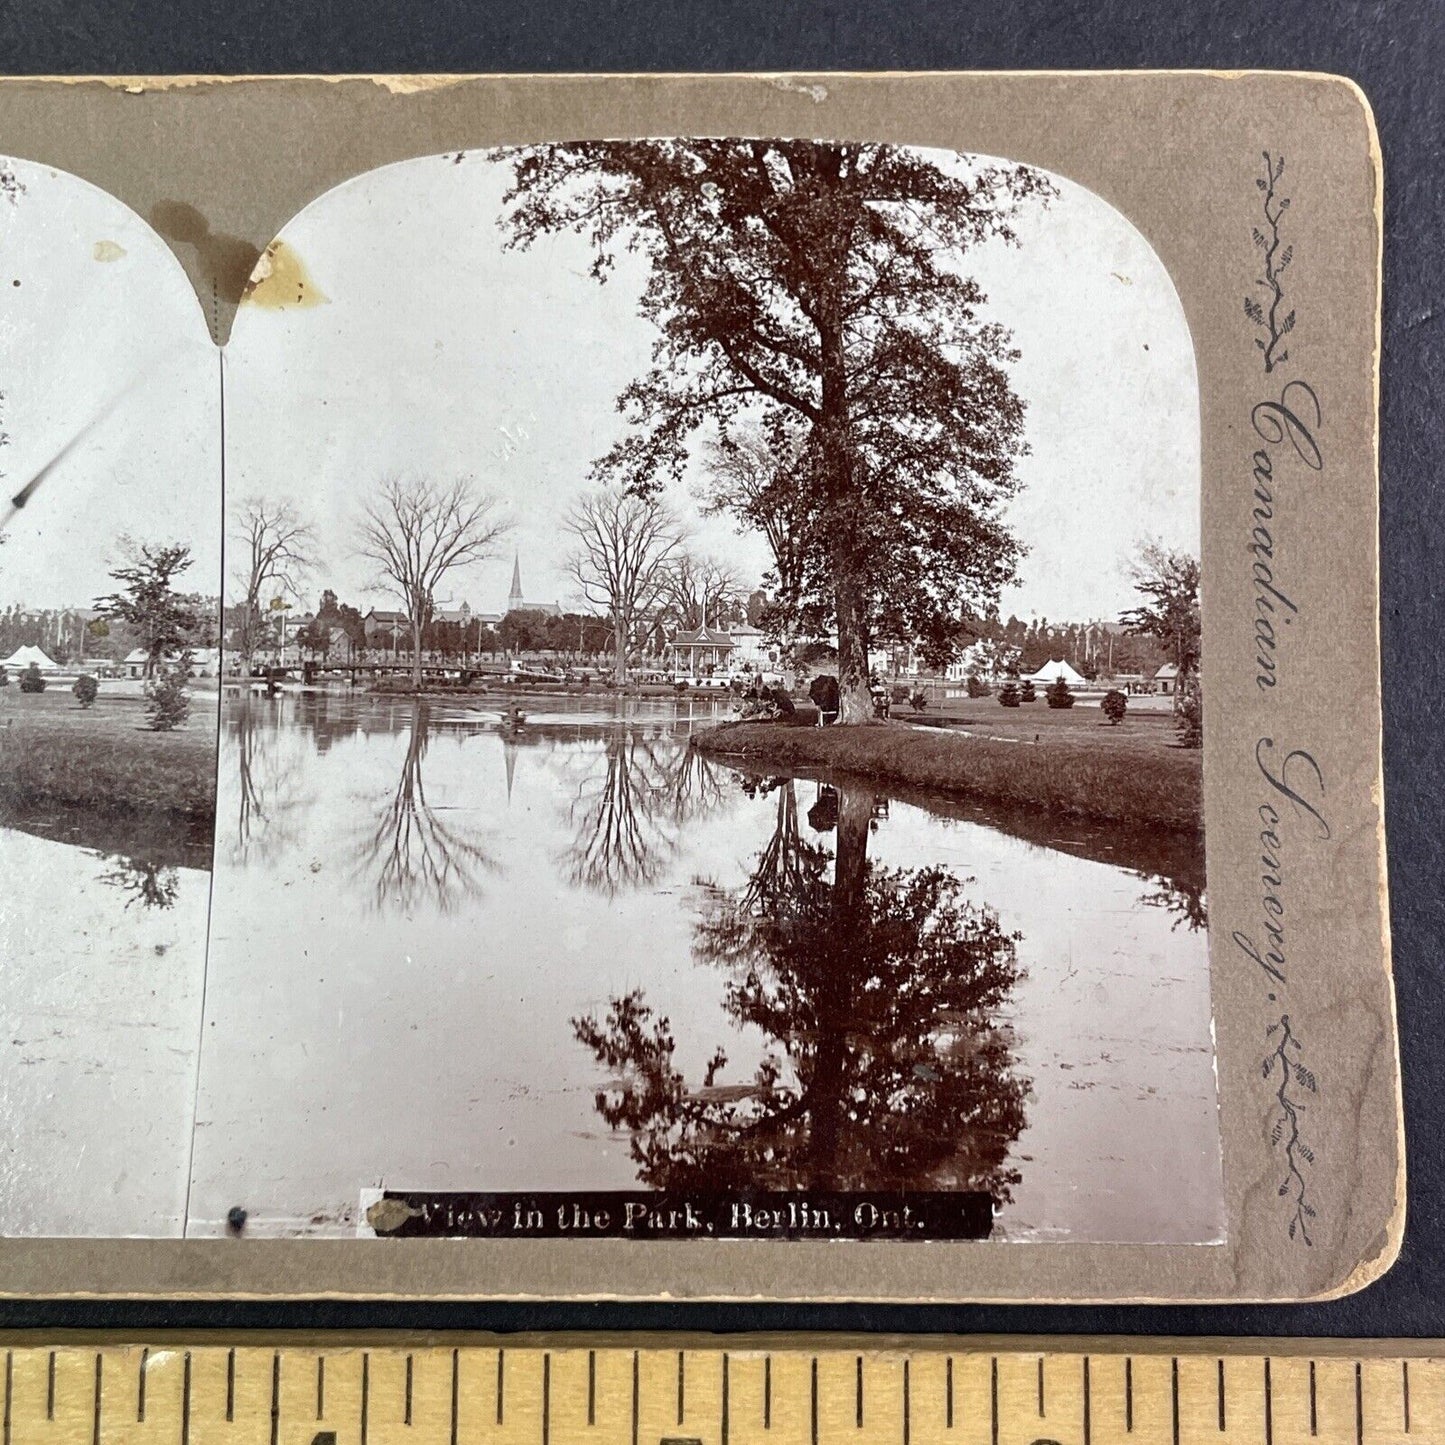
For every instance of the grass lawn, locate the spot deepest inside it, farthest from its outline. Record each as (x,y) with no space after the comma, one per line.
(1062,761)
(105,758)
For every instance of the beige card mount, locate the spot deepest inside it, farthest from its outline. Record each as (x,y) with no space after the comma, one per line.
(669,686)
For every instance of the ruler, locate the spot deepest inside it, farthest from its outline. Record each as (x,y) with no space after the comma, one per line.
(711,1390)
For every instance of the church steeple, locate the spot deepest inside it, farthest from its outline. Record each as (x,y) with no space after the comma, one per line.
(514,598)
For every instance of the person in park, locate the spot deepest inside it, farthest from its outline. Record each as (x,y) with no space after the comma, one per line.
(823,691)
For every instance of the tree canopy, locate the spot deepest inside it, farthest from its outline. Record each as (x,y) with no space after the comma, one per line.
(816,290)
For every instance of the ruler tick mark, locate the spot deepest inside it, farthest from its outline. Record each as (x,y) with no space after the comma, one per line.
(1041,1387)
(501,1382)
(1359,1406)
(406,1411)
(725,1398)
(9,1390)
(813,1405)
(95,1428)
(636,1407)
(140,1389)
(907,1405)
(1174,1395)
(1088,1407)
(767,1392)
(1268,1403)
(230,1385)
(275,1395)
(1221,1393)
(591,1387)
(50,1388)
(1405,1391)
(993,1399)
(858,1390)
(1314,1416)
(455,1354)
(1129,1393)
(320,1387)
(546,1399)
(186,1399)
(681,1387)
(365,1393)
(947,1396)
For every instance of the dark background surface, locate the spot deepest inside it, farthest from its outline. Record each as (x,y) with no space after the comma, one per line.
(1395,51)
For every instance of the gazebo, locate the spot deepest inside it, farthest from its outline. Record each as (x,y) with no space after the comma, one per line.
(702,648)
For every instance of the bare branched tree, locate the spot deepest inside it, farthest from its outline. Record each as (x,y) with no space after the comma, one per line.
(701,590)
(275,548)
(416,532)
(625,546)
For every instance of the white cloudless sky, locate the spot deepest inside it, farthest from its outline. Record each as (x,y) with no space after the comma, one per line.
(104,356)
(439,353)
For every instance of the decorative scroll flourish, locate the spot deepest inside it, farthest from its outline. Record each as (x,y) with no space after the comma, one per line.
(1283,1064)
(1274,262)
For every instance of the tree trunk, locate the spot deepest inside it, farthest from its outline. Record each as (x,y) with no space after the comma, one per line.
(416,654)
(619,643)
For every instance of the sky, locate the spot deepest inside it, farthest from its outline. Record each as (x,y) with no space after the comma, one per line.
(105,360)
(437,353)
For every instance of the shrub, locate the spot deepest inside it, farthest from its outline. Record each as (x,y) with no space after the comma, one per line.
(85,689)
(1058,694)
(4,675)
(918,699)
(1008,694)
(31,680)
(977,687)
(681,685)
(168,700)
(1115,705)
(1028,693)
(1190,722)
(898,694)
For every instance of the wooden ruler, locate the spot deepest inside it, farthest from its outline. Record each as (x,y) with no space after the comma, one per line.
(711,1390)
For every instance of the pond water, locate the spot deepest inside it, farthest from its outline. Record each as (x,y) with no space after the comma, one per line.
(447,954)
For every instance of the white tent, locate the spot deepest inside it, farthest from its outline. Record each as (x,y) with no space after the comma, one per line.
(23,657)
(1053,671)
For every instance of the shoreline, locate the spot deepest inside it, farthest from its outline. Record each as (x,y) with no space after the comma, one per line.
(1153,787)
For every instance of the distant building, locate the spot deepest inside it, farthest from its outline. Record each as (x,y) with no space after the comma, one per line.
(1165,681)
(516,599)
(750,647)
(383,627)
(699,651)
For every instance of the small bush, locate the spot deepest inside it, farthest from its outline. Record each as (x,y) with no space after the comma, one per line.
(31,680)
(977,687)
(898,694)
(1027,693)
(918,699)
(1058,694)
(168,700)
(681,685)
(1190,722)
(1115,705)
(1009,694)
(85,689)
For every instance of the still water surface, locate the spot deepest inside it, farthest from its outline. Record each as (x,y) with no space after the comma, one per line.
(448,955)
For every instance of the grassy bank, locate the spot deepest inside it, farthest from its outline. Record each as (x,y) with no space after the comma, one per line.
(1078,769)
(104,759)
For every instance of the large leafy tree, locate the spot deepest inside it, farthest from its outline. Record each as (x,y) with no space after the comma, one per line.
(165,620)
(1168,584)
(817,288)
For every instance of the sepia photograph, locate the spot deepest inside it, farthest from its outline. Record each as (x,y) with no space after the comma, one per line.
(110,572)
(710,710)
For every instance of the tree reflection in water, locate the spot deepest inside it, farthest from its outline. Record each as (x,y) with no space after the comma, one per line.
(627,810)
(877,990)
(270,778)
(151,884)
(414,856)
